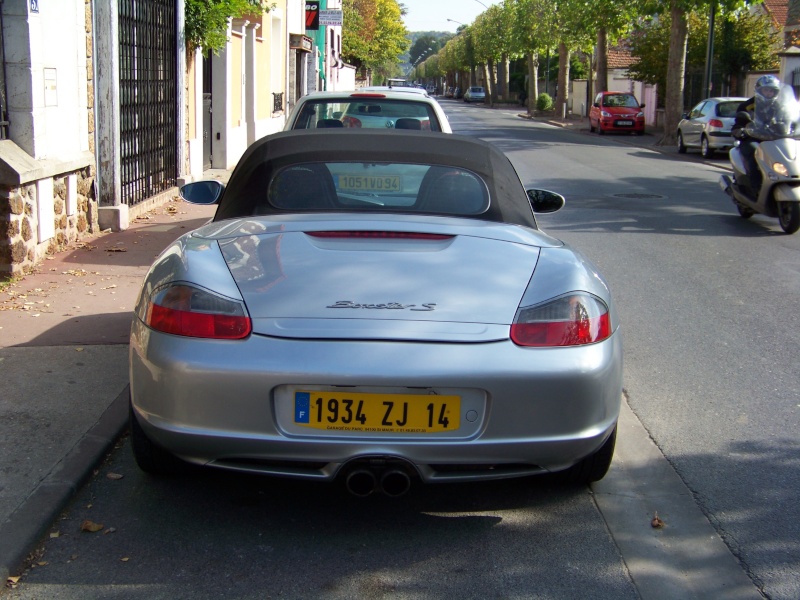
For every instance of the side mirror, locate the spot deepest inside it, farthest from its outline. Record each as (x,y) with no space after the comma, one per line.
(543,201)
(202,192)
(685,116)
(641,106)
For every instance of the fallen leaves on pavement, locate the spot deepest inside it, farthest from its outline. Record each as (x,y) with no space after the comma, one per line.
(91,526)
(656,523)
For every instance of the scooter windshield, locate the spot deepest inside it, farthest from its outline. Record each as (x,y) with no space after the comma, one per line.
(776,118)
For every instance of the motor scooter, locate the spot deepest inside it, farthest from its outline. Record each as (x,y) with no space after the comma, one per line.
(778,158)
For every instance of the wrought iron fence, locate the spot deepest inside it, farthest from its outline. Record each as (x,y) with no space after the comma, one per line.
(148,98)
(3,101)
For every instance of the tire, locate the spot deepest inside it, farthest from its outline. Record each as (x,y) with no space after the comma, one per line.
(706,150)
(681,145)
(789,216)
(592,468)
(152,459)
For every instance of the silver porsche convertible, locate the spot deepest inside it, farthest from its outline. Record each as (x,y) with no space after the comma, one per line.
(375,308)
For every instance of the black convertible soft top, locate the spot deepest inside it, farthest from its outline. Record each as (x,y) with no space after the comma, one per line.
(509,202)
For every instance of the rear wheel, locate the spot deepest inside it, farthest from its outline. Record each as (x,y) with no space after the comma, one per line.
(789,216)
(594,467)
(681,145)
(744,212)
(706,150)
(151,458)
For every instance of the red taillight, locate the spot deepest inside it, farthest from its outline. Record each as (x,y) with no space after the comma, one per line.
(388,235)
(716,123)
(351,122)
(186,310)
(572,320)
(367,95)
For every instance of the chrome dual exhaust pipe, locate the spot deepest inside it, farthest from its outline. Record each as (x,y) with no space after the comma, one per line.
(392,482)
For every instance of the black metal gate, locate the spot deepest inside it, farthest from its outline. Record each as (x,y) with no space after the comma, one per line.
(3,101)
(148,86)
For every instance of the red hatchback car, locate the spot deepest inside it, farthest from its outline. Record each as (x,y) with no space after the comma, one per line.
(616,111)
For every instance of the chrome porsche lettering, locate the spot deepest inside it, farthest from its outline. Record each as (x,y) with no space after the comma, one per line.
(426,307)
(387,305)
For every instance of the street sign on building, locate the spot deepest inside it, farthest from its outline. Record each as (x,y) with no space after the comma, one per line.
(330,18)
(312,15)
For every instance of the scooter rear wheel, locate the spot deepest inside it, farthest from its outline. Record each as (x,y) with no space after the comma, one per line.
(789,216)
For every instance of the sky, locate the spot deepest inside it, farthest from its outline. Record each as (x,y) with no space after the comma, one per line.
(432,15)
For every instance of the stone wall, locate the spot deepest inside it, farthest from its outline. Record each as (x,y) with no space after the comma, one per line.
(74,214)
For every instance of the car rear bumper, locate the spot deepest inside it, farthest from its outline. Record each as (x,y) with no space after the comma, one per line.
(613,125)
(720,140)
(215,403)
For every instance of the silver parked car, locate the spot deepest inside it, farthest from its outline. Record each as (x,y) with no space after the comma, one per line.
(377,308)
(369,109)
(475,94)
(707,126)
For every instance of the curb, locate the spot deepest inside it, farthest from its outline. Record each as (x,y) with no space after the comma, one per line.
(24,528)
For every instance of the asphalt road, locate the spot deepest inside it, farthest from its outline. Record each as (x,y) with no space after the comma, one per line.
(710,305)
(706,300)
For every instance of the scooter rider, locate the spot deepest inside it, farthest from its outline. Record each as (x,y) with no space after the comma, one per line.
(766,93)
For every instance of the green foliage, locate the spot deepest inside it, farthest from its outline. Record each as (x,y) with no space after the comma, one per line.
(743,42)
(375,37)
(206,21)
(544,102)
(426,45)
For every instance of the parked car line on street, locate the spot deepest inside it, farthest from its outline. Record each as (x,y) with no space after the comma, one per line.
(616,112)
(410,108)
(475,94)
(708,125)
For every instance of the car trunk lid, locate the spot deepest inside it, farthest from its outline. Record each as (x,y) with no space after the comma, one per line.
(461,282)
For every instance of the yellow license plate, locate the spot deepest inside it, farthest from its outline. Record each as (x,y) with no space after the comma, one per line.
(397,413)
(370,183)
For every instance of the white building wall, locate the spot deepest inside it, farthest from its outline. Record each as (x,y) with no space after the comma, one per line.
(46,77)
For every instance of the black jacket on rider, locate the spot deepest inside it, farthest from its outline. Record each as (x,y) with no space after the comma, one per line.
(748,106)
(747,145)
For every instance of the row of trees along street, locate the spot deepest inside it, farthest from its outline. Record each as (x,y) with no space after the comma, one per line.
(533,29)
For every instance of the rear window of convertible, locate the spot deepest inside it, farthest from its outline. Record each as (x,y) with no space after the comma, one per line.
(366,186)
(372,113)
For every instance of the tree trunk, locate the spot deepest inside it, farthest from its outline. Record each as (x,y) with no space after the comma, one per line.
(533,81)
(502,77)
(563,80)
(488,69)
(676,68)
(602,61)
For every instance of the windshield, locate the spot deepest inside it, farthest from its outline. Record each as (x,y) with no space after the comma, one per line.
(391,187)
(620,100)
(777,117)
(367,113)
(728,109)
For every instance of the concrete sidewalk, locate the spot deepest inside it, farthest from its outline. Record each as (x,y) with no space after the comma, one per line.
(63,358)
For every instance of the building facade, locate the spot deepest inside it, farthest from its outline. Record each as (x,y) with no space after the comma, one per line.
(105,124)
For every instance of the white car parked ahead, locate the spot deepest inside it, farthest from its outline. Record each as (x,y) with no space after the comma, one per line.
(380,109)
